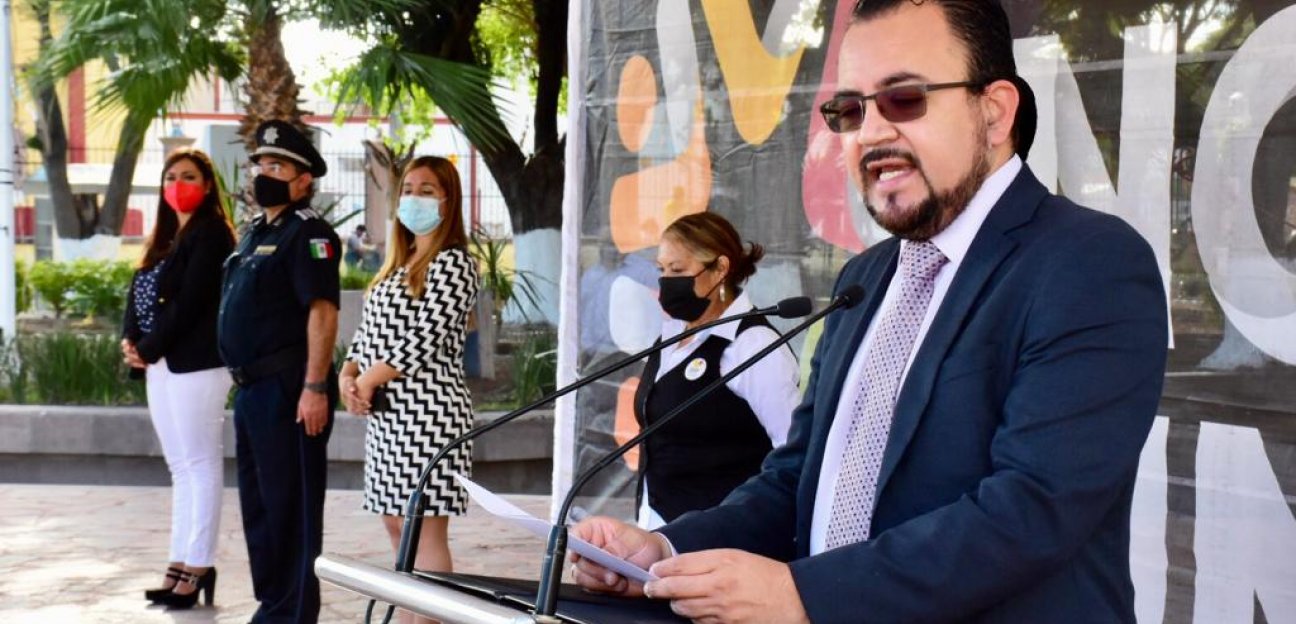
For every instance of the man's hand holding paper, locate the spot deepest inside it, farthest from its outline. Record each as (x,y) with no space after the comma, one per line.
(625,541)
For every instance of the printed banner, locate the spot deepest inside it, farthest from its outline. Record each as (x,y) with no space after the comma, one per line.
(1180,118)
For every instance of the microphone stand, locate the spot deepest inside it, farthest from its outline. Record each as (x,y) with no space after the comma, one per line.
(414,506)
(556,547)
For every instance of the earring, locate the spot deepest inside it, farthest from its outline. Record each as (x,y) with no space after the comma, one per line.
(722,293)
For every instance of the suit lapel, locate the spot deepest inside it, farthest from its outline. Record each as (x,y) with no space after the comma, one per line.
(989,249)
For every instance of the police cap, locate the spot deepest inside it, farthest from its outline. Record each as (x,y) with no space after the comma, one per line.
(280,138)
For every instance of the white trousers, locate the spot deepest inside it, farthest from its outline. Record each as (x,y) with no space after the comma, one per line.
(188,411)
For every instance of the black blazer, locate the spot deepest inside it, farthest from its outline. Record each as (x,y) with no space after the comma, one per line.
(189,290)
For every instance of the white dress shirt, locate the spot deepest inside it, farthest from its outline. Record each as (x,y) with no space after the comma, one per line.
(954,242)
(769,386)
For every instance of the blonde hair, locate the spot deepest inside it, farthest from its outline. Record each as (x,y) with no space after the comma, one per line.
(450,233)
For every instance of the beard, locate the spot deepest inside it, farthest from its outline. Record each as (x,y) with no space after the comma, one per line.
(934,213)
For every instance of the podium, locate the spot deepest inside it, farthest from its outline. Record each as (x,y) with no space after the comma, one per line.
(470,599)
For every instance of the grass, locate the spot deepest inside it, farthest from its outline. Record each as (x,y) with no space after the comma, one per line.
(67,368)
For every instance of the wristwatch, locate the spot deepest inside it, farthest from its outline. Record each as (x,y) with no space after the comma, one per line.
(320,387)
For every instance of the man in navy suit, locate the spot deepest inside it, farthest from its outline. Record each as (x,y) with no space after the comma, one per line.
(1000,488)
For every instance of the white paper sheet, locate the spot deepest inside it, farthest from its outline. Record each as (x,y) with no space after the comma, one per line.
(497,506)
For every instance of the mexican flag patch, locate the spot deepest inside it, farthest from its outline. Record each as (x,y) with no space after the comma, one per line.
(320,249)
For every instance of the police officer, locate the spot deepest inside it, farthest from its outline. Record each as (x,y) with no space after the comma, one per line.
(278,325)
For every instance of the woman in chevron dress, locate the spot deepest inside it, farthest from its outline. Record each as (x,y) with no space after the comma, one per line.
(405,366)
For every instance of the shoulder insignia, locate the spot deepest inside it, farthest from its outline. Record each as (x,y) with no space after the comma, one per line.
(321,248)
(306,214)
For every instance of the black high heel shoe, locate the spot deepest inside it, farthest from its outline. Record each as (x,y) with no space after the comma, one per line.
(154,595)
(204,583)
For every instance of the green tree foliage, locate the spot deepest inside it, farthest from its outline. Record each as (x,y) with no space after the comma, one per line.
(507,34)
(455,52)
(153,49)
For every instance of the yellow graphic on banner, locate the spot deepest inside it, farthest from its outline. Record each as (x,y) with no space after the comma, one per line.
(758,82)
(645,202)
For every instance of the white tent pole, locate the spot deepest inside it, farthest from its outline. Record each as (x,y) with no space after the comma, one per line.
(8,174)
(564,451)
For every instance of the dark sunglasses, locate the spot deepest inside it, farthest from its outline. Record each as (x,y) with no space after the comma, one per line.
(845,113)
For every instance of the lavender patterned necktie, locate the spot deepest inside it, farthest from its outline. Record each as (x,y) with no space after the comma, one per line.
(874,405)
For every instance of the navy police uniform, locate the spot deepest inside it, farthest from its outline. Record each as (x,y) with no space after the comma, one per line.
(278,269)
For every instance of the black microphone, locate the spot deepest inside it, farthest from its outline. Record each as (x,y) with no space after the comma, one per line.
(556,547)
(792,307)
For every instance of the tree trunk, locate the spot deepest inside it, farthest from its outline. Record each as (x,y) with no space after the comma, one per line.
(533,187)
(113,212)
(72,219)
(271,86)
(551,59)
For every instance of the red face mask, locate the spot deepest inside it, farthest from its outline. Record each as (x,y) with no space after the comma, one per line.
(184,196)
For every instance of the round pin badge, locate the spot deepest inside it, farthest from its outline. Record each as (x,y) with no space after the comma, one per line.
(695,369)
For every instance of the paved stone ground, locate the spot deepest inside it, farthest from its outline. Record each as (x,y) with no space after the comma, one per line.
(87,553)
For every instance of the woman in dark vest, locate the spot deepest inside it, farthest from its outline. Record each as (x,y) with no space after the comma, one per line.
(696,460)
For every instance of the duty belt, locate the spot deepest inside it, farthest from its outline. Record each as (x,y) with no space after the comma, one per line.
(280,360)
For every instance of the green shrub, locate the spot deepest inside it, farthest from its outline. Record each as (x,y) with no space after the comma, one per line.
(13,375)
(505,285)
(22,286)
(99,288)
(535,367)
(51,281)
(355,279)
(88,287)
(65,368)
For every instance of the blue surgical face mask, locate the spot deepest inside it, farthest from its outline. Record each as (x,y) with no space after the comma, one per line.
(420,214)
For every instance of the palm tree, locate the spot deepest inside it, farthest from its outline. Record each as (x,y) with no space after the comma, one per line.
(153,49)
(270,83)
(51,140)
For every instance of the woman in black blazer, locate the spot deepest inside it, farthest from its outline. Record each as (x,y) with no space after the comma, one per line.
(169,338)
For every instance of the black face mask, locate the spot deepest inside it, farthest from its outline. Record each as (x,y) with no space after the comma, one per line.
(678,299)
(270,191)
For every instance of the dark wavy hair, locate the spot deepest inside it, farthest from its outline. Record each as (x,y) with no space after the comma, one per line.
(166,226)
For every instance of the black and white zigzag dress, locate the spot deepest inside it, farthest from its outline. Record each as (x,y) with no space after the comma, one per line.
(424,340)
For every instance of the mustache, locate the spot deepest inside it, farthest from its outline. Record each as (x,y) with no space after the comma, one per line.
(884,153)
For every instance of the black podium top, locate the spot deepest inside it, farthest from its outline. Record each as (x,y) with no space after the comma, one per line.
(575,605)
